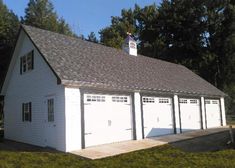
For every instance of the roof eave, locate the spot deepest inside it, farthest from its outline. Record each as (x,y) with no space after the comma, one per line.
(92,85)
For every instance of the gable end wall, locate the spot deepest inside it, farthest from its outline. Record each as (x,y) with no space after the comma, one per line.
(33,87)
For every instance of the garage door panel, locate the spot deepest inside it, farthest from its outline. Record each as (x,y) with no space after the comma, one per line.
(107,118)
(157,116)
(190,114)
(213,113)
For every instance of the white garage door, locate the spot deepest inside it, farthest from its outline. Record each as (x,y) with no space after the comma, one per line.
(190,114)
(157,116)
(107,119)
(213,113)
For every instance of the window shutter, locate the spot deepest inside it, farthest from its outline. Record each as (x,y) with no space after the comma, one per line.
(21,62)
(30,111)
(22,111)
(32,59)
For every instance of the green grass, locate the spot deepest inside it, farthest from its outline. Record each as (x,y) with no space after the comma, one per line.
(164,156)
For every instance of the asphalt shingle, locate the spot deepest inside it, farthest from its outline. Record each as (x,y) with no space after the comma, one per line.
(78,62)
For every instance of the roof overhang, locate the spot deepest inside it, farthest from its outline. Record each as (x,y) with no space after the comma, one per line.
(108,87)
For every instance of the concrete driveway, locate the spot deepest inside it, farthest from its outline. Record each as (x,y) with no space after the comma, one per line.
(107,150)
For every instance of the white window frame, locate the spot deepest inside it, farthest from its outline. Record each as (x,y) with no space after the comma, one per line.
(164,100)
(27,112)
(148,100)
(193,101)
(51,110)
(120,99)
(183,101)
(27,62)
(95,98)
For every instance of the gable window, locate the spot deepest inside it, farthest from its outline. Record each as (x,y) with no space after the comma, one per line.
(27,62)
(50,110)
(27,111)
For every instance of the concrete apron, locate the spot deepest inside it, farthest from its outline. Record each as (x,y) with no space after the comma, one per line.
(107,150)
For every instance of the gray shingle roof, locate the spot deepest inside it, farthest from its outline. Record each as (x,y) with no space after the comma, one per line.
(78,62)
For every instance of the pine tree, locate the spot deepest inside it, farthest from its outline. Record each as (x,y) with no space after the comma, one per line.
(9,26)
(92,37)
(41,14)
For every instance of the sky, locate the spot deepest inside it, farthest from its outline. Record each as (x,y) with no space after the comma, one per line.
(84,16)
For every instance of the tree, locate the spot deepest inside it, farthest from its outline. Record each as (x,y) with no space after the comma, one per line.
(41,14)
(115,34)
(9,26)
(199,34)
(92,37)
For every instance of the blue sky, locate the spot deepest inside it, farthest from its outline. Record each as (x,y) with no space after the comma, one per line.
(84,16)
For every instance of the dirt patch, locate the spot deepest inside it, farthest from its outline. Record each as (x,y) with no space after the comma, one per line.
(213,142)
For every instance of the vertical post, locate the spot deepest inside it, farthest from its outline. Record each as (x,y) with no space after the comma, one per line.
(203,112)
(177,113)
(222,106)
(138,115)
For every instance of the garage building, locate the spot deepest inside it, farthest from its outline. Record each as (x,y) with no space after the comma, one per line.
(70,94)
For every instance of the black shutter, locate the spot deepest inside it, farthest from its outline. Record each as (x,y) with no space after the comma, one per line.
(32,54)
(22,111)
(30,111)
(21,62)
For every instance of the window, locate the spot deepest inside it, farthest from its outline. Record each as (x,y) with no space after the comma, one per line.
(193,101)
(163,100)
(27,112)
(50,110)
(148,100)
(95,98)
(215,102)
(26,62)
(119,99)
(207,102)
(183,101)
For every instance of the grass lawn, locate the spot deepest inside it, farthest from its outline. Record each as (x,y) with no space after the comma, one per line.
(164,156)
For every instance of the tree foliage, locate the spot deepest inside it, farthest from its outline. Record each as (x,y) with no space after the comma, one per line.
(199,34)
(41,14)
(92,38)
(114,35)
(9,25)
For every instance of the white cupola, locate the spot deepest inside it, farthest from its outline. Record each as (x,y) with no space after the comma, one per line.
(130,45)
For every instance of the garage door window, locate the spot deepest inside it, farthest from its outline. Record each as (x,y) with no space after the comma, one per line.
(95,98)
(207,102)
(148,100)
(214,102)
(119,99)
(162,100)
(193,101)
(183,101)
